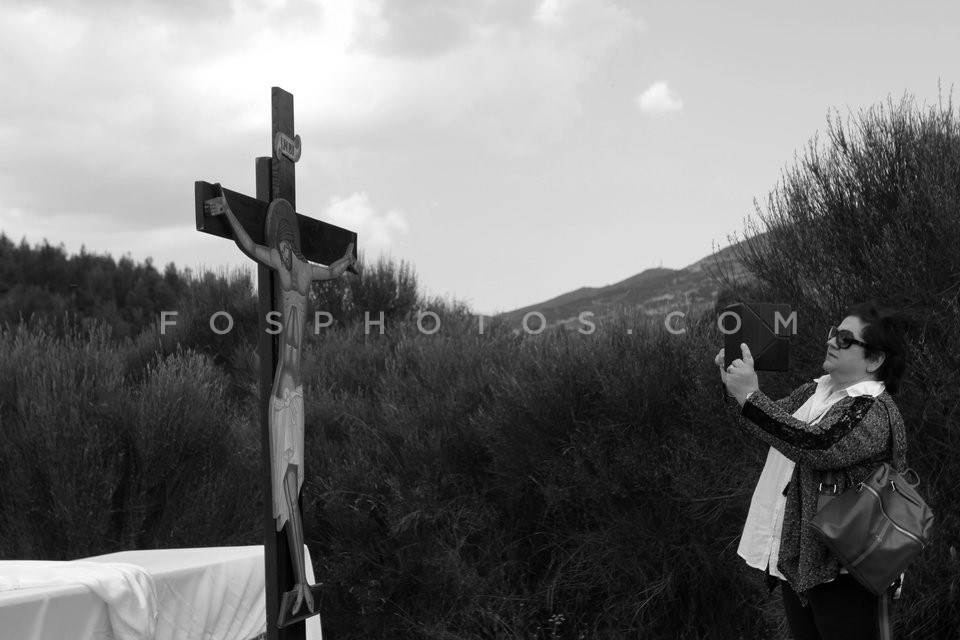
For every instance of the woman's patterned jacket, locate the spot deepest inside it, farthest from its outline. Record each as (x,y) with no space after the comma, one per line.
(851,439)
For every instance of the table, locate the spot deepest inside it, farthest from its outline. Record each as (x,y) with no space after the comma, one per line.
(209,593)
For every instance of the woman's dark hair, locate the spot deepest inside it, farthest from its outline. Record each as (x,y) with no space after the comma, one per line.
(884,332)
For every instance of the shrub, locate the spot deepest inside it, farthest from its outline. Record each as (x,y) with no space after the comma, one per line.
(506,485)
(95,461)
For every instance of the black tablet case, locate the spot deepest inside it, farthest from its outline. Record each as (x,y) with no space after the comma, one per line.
(767,338)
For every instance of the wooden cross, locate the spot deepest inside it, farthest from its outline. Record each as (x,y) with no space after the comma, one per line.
(319,242)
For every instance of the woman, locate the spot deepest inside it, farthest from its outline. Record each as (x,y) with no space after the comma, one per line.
(842,421)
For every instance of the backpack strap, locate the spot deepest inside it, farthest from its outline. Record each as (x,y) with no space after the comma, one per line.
(886,620)
(828,485)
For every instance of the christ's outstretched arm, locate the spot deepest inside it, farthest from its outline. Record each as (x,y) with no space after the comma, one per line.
(264,255)
(337,268)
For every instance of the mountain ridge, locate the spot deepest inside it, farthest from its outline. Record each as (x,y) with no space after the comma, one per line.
(653,291)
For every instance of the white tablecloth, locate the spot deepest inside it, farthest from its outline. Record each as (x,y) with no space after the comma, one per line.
(211,593)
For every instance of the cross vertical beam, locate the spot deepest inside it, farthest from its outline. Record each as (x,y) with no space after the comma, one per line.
(229,214)
(284,183)
(276,552)
(276,178)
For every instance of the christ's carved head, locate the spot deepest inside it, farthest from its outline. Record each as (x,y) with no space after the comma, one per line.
(286,254)
(287,243)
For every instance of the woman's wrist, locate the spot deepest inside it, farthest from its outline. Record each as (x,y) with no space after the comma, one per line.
(746,397)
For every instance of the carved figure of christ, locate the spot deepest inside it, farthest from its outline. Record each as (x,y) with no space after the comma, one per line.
(295,275)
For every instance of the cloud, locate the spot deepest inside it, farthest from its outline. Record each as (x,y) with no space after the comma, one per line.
(659,98)
(548,12)
(415,28)
(111,126)
(504,75)
(377,232)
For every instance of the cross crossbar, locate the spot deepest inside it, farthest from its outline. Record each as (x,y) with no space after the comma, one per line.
(321,242)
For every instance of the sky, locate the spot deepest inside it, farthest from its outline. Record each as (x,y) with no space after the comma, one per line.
(509,150)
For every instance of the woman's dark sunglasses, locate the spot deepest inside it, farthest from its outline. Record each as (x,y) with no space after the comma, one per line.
(844,338)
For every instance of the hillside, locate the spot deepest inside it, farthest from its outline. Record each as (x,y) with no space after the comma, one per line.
(654,291)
